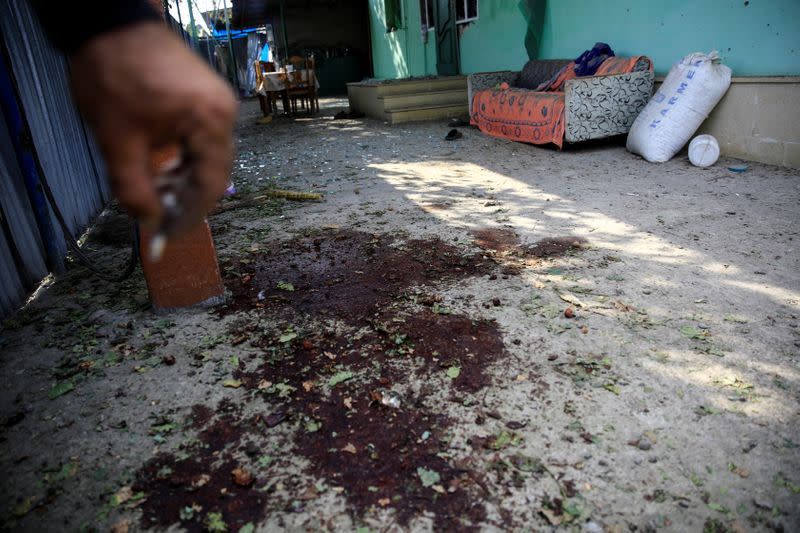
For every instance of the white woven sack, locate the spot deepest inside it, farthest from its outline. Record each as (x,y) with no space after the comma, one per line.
(692,89)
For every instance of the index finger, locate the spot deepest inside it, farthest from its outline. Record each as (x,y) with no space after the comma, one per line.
(209,155)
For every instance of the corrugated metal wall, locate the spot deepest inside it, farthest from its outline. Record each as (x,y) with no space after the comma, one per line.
(19,236)
(68,155)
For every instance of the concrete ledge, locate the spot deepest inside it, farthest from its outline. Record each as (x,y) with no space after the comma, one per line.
(759,119)
(755,79)
(410,99)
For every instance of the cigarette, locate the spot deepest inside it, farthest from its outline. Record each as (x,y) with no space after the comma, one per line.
(157,245)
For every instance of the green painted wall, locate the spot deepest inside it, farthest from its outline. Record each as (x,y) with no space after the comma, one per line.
(497,40)
(755,38)
(401,53)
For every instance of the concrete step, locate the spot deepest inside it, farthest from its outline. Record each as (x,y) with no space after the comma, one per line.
(422,85)
(429,112)
(422,99)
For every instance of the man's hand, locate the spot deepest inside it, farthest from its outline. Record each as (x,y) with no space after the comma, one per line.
(142,89)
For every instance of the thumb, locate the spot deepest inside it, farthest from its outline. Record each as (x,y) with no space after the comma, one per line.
(128,162)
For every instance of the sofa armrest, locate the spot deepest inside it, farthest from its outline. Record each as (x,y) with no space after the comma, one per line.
(602,106)
(487,80)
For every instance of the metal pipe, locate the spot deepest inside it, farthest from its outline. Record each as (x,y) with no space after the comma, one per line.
(195,42)
(230,45)
(180,20)
(285,37)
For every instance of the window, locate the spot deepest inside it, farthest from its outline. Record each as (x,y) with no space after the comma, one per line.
(393,15)
(466,11)
(426,15)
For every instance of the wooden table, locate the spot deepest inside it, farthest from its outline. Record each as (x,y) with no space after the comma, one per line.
(275,82)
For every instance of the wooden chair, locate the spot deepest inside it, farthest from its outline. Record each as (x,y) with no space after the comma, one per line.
(269,102)
(304,91)
(263,100)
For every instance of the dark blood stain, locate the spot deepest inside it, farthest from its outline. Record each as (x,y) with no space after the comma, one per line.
(507,243)
(200,476)
(200,416)
(453,340)
(349,274)
(380,456)
(554,247)
(375,451)
(498,240)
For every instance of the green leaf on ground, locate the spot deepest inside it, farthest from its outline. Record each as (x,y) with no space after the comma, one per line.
(610,387)
(284,390)
(61,389)
(285,286)
(428,477)
(504,440)
(453,372)
(440,309)
(717,507)
(692,332)
(215,523)
(24,507)
(163,428)
(571,509)
(287,336)
(312,426)
(712,350)
(697,481)
(232,383)
(704,410)
(339,377)
(550,311)
(527,464)
(783,482)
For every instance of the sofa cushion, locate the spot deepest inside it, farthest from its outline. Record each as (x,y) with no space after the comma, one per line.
(539,70)
(624,65)
(520,115)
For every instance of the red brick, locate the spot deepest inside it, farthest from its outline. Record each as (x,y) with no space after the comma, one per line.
(187,273)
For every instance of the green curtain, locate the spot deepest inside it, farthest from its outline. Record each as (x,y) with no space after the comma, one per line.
(393,15)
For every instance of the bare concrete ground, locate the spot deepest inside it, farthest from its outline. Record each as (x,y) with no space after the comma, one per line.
(668,400)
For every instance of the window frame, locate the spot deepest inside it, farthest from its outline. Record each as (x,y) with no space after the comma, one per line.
(431,20)
(468,19)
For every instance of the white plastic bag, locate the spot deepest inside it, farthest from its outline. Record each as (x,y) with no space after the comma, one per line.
(691,90)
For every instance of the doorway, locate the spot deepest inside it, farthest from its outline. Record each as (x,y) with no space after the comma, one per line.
(447,63)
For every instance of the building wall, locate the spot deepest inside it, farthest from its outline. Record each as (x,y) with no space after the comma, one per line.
(758,39)
(755,38)
(500,39)
(400,53)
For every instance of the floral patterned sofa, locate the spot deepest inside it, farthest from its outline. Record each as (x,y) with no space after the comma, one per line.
(547,103)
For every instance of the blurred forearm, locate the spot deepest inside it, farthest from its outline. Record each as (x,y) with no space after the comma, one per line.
(71,24)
